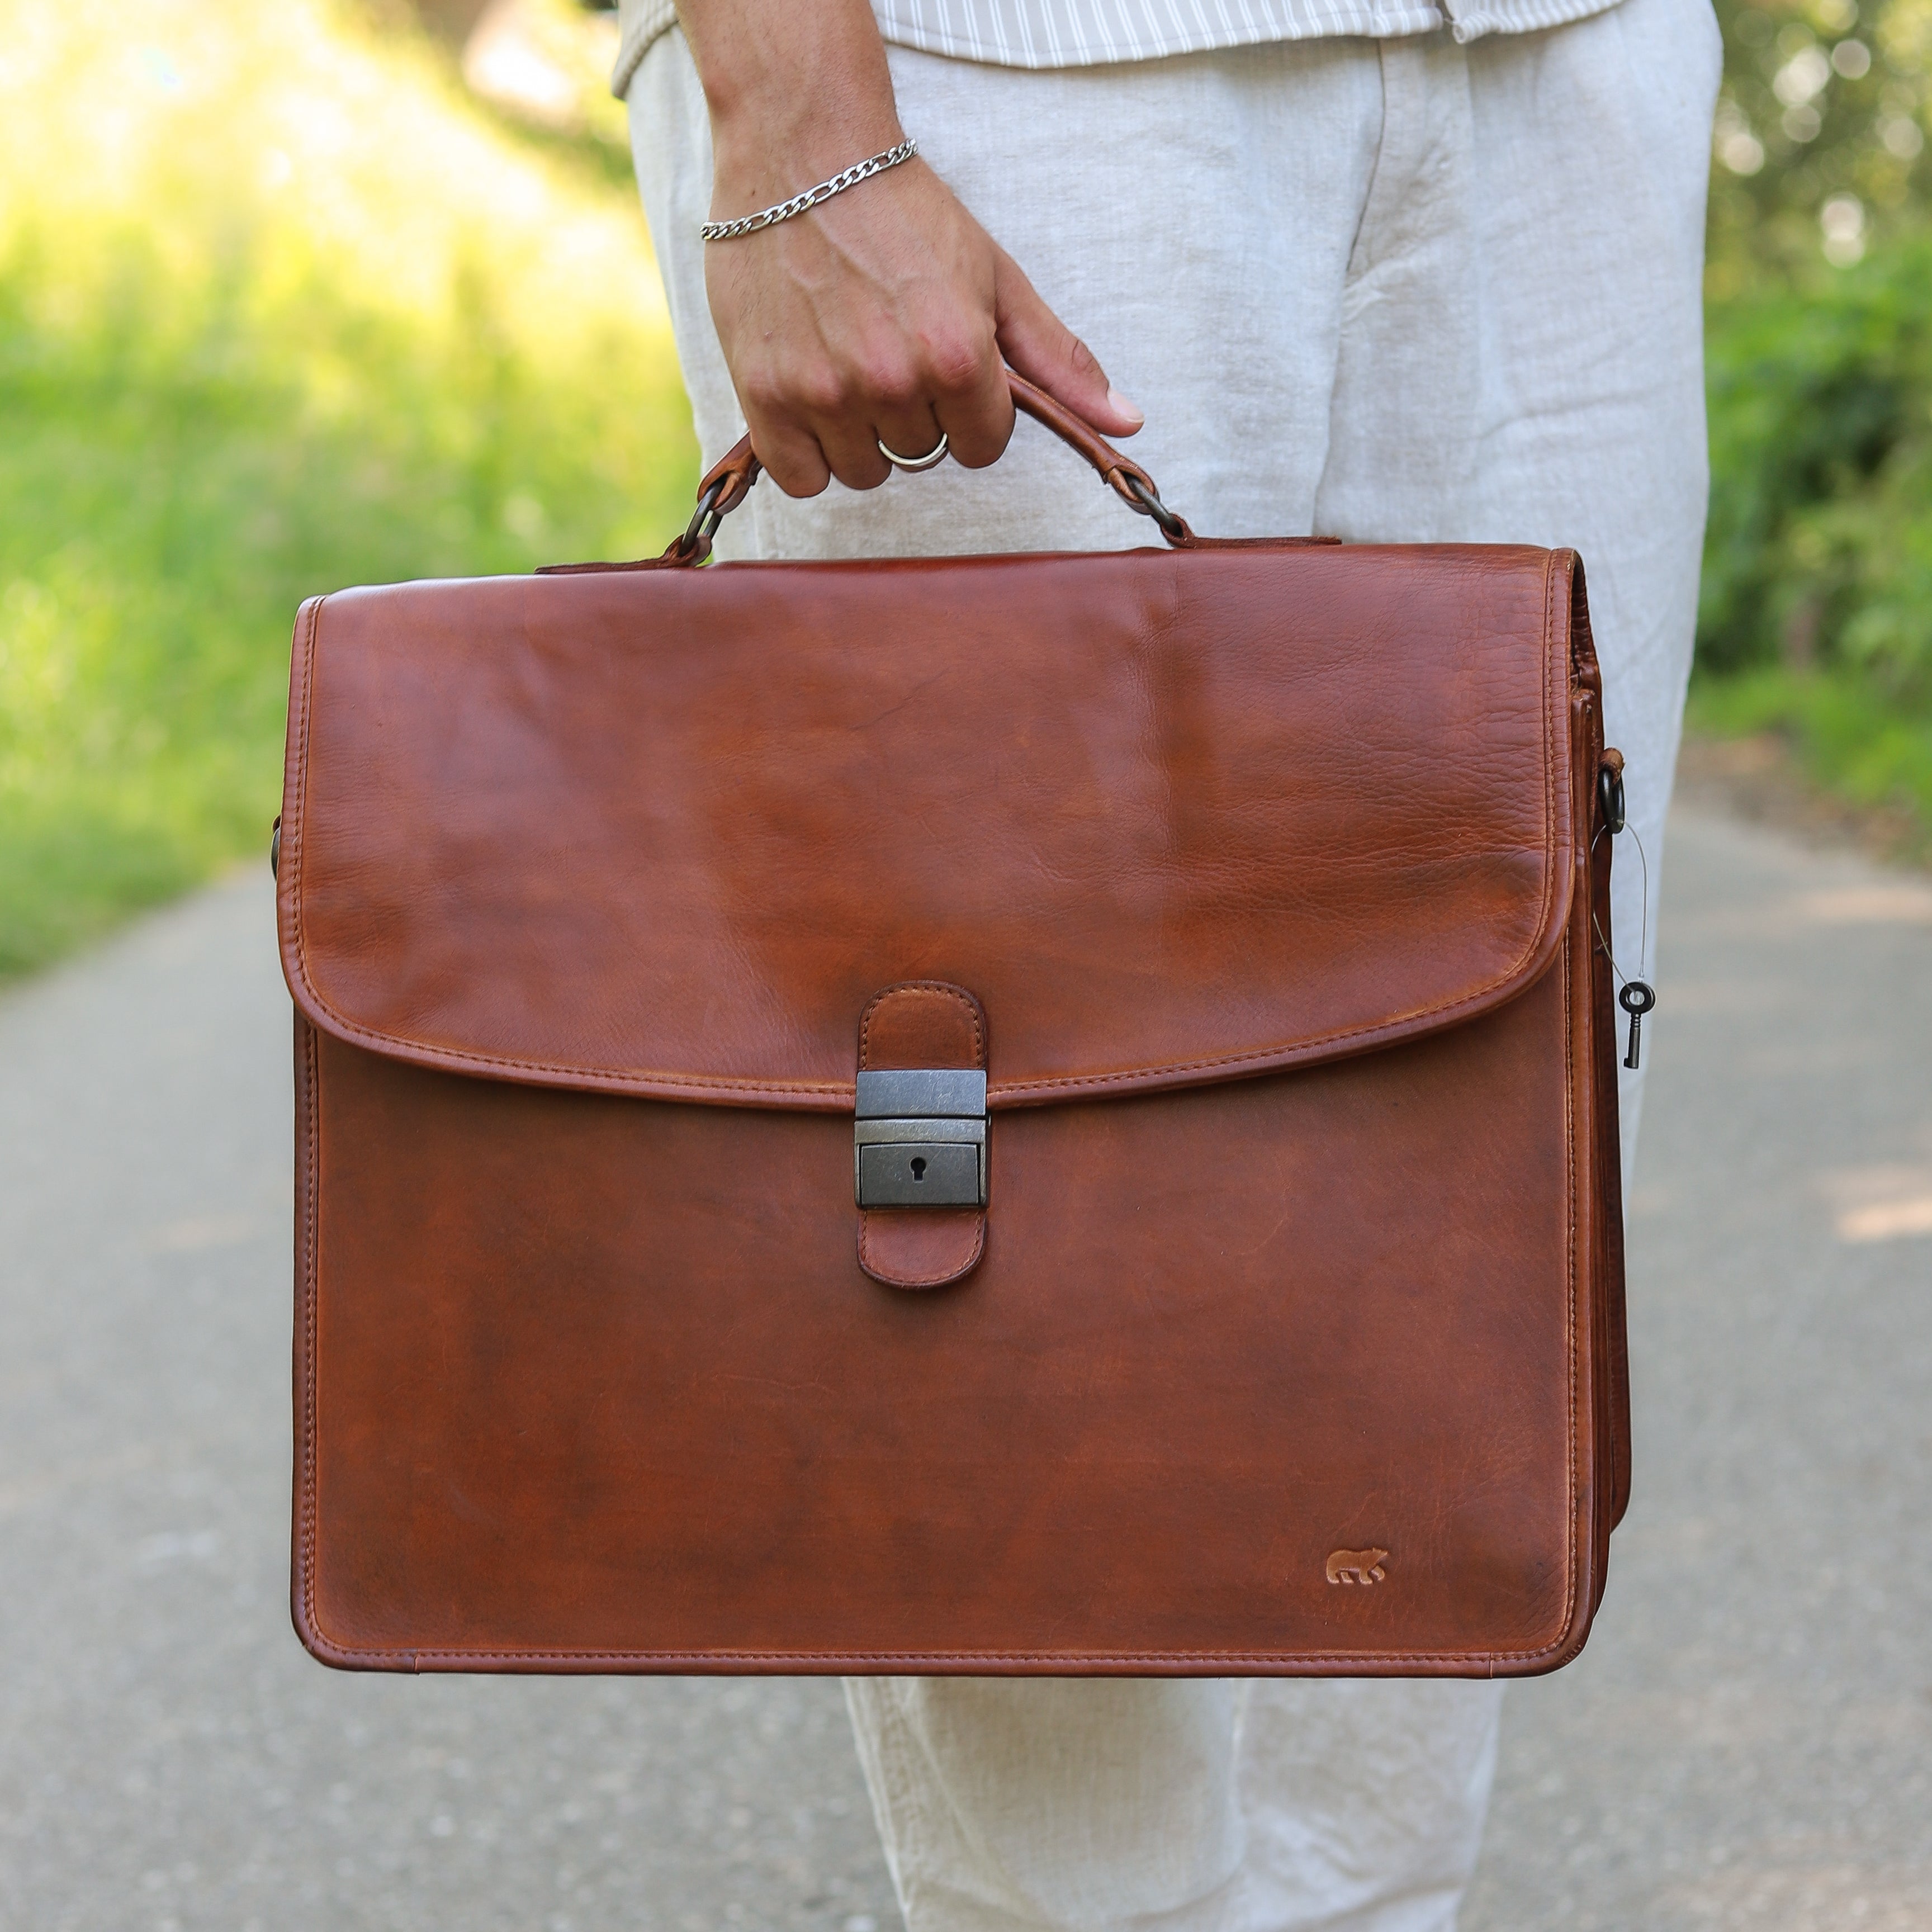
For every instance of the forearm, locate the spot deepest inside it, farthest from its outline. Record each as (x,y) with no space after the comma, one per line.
(796,89)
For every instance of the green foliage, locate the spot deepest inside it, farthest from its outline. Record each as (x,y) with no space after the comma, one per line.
(1819,547)
(1816,614)
(279,312)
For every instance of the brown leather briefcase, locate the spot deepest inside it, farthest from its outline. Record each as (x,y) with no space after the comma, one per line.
(1038,1113)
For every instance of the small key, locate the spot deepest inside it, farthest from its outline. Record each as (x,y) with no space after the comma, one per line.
(1636,999)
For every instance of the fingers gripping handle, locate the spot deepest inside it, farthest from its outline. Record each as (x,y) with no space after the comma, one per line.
(729,481)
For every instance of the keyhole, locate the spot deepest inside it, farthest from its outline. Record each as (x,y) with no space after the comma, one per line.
(919,1167)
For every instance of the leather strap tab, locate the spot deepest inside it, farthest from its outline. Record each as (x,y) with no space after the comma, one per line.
(732,475)
(921,1023)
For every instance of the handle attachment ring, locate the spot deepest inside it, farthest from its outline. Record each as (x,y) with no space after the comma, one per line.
(1146,499)
(695,544)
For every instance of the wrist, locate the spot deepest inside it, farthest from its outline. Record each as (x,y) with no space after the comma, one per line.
(766,165)
(757,158)
(797,93)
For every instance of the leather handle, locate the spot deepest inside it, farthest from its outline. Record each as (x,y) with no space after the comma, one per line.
(1121,473)
(728,482)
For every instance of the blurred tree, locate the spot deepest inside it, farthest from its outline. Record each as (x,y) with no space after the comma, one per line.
(1818,552)
(1820,140)
(1815,616)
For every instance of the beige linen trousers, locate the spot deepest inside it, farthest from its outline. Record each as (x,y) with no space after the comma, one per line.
(1398,290)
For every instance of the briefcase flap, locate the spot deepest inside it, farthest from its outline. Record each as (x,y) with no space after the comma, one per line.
(1173,817)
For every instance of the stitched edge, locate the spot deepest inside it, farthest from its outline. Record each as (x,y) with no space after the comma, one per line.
(945,986)
(1572,1484)
(1474,1663)
(295,801)
(306,1282)
(835,1093)
(965,1268)
(1551,575)
(308,1625)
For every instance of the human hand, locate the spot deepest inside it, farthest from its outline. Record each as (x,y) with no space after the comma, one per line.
(886,313)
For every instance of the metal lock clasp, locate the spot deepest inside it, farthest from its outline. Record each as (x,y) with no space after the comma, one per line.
(920,1140)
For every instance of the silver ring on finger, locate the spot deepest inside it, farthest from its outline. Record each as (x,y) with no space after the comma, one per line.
(914,463)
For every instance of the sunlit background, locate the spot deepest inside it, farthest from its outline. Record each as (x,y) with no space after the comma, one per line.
(1816,619)
(284,304)
(305,294)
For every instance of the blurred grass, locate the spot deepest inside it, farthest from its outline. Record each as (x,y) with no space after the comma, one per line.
(1857,744)
(280,311)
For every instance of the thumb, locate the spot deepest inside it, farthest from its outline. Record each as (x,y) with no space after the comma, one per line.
(1036,342)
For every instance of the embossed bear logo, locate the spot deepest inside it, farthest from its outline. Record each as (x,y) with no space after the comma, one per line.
(1356,1566)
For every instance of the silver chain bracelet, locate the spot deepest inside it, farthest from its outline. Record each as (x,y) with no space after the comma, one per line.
(784,211)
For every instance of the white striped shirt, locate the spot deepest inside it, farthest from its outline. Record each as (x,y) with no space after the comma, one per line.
(1091,33)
